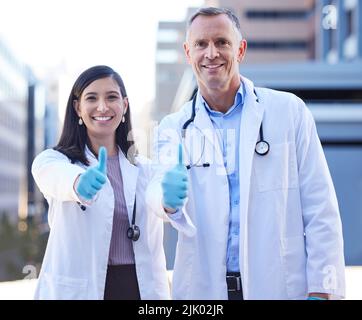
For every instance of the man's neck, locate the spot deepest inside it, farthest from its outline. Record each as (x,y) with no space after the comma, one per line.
(220,100)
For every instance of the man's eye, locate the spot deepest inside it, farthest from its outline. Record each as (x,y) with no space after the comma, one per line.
(222,42)
(201,44)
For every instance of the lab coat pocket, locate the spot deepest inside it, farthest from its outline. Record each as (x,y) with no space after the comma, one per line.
(63,288)
(294,262)
(277,169)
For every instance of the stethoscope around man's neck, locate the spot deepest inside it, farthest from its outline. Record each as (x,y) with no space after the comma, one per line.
(262,147)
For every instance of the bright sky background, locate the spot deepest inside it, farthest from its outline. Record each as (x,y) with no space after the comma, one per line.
(82,33)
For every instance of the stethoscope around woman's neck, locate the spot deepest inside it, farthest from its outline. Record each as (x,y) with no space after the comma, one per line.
(262,147)
(133,232)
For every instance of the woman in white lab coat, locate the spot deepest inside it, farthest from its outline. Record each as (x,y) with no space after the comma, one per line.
(93,251)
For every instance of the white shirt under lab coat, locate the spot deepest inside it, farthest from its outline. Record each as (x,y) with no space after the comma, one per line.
(290,229)
(76,258)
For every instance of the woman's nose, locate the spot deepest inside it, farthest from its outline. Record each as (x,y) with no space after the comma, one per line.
(102,105)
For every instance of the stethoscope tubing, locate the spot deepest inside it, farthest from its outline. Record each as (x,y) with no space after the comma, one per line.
(262,147)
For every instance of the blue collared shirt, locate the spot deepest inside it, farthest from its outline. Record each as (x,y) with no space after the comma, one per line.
(227,126)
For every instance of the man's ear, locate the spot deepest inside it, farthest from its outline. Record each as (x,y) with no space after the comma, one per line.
(242,50)
(187,52)
(76,107)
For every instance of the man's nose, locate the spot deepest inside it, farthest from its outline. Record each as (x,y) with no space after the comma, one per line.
(211,51)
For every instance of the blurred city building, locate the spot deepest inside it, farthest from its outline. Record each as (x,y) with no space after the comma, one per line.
(28,124)
(13,137)
(170,65)
(50,117)
(47,124)
(339,32)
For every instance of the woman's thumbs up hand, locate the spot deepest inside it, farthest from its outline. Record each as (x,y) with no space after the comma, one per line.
(91,181)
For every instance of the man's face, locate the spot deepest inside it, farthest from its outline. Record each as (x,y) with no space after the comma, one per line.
(214,50)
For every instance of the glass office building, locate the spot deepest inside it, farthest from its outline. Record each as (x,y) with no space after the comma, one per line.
(13,109)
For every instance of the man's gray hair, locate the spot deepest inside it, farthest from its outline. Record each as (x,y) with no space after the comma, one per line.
(212,11)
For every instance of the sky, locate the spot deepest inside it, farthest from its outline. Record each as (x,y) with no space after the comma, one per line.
(81,33)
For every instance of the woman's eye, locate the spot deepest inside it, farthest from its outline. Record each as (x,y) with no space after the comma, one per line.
(113,97)
(91,98)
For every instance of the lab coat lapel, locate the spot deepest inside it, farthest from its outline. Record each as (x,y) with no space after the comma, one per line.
(93,161)
(129,177)
(203,122)
(249,132)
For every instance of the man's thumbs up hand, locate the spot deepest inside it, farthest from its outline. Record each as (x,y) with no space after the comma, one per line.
(175,185)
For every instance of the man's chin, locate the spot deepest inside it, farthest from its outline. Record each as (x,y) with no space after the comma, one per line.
(213,84)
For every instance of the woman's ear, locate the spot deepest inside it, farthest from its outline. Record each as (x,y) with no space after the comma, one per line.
(76,107)
(125,103)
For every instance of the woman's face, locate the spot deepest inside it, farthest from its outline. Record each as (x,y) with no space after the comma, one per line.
(101,106)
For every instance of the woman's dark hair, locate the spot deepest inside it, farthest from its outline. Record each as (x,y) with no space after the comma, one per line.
(74,137)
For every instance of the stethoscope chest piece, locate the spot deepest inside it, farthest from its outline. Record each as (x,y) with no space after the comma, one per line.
(133,233)
(262,147)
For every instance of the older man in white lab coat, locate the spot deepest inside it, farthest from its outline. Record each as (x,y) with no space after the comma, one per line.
(255,221)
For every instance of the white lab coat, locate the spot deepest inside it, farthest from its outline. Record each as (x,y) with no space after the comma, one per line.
(76,258)
(290,229)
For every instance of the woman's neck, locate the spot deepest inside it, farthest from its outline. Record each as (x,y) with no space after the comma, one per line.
(110,145)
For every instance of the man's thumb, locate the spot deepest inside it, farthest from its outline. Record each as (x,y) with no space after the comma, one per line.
(180,156)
